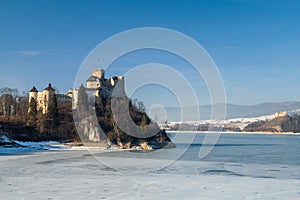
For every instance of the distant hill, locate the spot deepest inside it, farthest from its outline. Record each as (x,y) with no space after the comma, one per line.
(232,111)
(279,124)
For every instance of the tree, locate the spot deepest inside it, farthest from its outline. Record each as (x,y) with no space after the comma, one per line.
(22,107)
(52,110)
(82,102)
(7,103)
(6,90)
(141,107)
(52,117)
(144,120)
(32,112)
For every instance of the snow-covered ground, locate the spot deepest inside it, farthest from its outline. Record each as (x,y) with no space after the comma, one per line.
(240,123)
(236,122)
(21,147)
(239,167)
(243,122)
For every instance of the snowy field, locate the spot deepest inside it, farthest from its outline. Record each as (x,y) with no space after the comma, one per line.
(239,167)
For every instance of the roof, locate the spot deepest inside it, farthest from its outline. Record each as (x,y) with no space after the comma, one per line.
(49,87)
(93,78)
(33,89)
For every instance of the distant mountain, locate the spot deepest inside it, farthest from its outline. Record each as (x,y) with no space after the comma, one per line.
(232,111)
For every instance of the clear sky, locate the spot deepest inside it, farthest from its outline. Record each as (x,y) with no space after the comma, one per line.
(255,44)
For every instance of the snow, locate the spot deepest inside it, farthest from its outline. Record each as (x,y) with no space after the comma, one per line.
(21,147)
(241,167)
(4,139)
(238,122)
(74,175)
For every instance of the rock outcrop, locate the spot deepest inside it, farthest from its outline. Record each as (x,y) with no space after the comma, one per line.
(144,145)
(89,130)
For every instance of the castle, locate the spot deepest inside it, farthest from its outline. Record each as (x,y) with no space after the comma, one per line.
(42,98)
(96,85)
(280,114)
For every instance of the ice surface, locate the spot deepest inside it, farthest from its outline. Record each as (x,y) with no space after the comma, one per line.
(239,167)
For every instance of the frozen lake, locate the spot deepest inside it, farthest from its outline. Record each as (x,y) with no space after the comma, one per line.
(238,167)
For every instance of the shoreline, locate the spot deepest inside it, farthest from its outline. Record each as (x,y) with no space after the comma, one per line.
(242,133)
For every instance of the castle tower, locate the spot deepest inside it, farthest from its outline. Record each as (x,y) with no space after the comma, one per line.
(99,73)
(33,93)
(96,79)
(47,94)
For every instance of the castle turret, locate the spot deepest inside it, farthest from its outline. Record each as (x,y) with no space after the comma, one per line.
(49,88)
(46,95)
(33,93)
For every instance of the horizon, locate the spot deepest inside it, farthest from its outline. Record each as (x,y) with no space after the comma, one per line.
(254,44)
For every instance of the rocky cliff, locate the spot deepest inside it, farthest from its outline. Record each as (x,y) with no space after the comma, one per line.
(134,127)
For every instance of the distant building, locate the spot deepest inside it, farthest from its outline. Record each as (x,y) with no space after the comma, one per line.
(280,114)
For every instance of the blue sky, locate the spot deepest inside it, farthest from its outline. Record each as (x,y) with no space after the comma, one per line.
(255,44)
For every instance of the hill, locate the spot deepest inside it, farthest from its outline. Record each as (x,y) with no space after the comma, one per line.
(279,124)
(232,111)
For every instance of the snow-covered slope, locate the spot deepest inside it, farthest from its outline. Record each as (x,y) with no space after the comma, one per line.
(235,122)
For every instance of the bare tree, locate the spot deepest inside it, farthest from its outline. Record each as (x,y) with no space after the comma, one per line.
(7,103)
(6,90)
(12,103)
